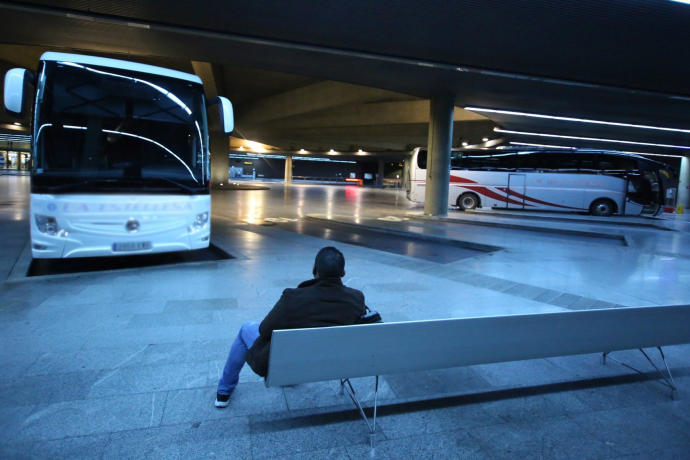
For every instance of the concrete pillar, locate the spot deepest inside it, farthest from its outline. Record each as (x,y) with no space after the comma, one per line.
(438,157)
(220,162)
(379,176)
(212,76)
(684,185)
(288,168)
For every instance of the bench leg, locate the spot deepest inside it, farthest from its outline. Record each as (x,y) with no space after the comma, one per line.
(667,379)
(376,397)
(351,393)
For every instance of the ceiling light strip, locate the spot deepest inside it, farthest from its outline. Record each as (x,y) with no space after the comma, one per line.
(596,139)
(529,144)
(577,120)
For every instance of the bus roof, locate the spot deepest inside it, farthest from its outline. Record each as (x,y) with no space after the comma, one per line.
(526,149)
(119,64)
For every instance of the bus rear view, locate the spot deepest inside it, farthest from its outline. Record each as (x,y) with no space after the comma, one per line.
(121,157)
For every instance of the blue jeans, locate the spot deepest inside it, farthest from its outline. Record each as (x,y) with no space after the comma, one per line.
(248,334)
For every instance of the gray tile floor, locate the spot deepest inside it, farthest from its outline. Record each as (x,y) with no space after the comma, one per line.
(123,364)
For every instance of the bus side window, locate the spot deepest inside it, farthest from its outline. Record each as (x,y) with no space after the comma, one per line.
(510,162)
(530,162)
(566,163)
(421,159)
(587,164)
(615,164)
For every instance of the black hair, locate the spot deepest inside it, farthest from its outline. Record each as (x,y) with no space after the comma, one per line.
(329,263)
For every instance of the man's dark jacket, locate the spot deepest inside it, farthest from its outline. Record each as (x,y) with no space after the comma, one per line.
(319,302)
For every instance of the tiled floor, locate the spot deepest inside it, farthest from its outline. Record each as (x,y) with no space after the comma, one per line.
(123,363)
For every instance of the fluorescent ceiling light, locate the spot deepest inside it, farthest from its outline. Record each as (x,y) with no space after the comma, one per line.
(282,157)
(574,148)
(596,139)
(653,154)
(687,2)
(254,146)
(543,145)
(578,120)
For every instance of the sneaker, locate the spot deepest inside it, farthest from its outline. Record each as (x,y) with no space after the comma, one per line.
(222,400)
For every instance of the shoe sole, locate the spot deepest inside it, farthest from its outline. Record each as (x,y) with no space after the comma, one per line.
(221,405)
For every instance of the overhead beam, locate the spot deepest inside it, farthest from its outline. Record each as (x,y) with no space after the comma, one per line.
(211,75)
(374,137)
(311,98)
(377,113)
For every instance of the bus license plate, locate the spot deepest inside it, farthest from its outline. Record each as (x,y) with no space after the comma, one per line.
(131,246)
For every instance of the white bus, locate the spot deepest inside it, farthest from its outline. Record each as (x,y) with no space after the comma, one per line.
(600,182)
(120,156)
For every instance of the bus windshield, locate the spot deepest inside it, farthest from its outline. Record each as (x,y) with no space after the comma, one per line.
(109,130)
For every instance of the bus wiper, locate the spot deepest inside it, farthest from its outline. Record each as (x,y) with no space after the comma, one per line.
(178,184)
(80,183)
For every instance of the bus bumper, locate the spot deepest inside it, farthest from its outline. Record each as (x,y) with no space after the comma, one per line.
(89,246)
(97,226)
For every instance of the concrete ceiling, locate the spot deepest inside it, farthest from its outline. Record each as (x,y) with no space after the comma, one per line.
(292,111)
(294,72)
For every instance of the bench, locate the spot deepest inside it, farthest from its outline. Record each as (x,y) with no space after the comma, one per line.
(345,352)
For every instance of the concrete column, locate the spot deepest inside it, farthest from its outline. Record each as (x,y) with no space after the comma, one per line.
(684,185)
(438,157)
(288,168)
(219,144)
(379,176)
(220,162)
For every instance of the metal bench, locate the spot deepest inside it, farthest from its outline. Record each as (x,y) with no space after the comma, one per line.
(345,352)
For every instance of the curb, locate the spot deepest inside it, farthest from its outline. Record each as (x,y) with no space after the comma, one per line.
(530,228)
(576,221)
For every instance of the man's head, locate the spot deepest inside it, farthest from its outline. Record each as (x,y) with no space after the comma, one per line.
(329,263)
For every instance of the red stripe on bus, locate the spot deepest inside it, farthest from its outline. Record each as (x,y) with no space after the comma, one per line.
(461,180)
(529,198)
(491,194)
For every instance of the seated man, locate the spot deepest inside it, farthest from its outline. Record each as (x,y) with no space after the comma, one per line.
(319,302)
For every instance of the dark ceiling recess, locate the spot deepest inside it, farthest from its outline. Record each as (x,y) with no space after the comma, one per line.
(621,60)
(639,44)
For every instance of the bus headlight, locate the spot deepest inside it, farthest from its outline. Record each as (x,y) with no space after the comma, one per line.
(199,222)
(46,224)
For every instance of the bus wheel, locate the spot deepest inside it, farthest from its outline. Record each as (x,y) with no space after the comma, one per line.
(468,201)
(602,207)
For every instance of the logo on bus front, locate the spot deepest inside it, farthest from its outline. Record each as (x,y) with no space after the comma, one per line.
(132,225)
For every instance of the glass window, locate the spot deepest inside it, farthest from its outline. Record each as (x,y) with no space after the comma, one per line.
(587,163)
(530,161)
(616,163)
(421,159)
(116,129)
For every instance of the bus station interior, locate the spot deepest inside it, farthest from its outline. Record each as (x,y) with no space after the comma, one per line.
(119,357)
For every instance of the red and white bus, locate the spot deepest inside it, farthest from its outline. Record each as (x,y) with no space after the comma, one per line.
(600,182)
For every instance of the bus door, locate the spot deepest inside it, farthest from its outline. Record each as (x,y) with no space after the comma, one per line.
(515,193)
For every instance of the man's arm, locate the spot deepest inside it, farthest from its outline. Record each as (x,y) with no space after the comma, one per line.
(276,317)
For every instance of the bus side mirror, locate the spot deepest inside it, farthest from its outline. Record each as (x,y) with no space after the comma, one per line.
(15,83)
(227,119)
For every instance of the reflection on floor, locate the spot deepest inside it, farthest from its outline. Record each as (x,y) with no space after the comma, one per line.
(124,363)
